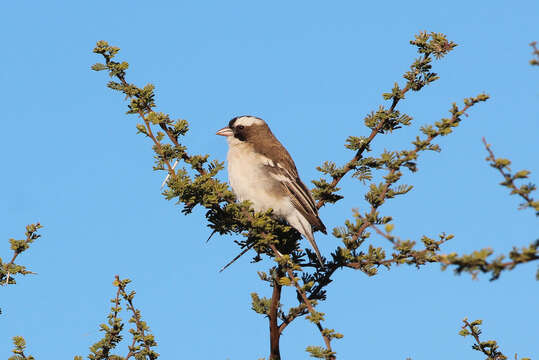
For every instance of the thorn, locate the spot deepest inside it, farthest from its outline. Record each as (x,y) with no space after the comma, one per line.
(168,175)
(7,278)
(237,257)
(213,232)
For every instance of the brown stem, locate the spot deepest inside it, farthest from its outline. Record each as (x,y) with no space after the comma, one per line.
(306,301)
(475,336)
(390,238)
(157,143)
(314,292)
(275,334)
(288,319)
(174,140)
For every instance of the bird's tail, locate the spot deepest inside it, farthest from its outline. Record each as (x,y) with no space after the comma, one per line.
(304,227)
(310,237)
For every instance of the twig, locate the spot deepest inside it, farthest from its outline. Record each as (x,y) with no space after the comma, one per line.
(386,235)
(30,237)
(15,254)
(163,126)
(508,177)
(489,348)
(288,320)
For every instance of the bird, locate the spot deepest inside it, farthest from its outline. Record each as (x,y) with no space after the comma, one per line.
(262,171)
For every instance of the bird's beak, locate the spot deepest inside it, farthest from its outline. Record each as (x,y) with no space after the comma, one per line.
(226,131)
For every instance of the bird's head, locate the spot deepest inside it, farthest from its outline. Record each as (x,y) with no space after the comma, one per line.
(244,128)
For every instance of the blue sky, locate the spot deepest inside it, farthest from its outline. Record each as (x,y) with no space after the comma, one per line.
(313,70)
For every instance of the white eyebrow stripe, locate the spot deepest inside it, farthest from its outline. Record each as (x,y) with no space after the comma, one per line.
(248,121)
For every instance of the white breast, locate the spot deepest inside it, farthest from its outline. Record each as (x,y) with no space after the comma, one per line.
(251,182)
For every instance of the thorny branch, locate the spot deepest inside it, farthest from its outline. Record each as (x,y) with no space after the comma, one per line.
(430,45)
(143,114)
(408,156)
(472,263)
(523,191)
(142,340)
(365,145)
(489,348)
(139,335)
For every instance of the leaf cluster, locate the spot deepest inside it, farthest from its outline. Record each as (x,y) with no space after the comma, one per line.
(489,348)
(20,345)
(478,261)
(535,53)
(9,270)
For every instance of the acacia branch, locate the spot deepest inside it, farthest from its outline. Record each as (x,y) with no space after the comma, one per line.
(351,164)
(148,109)
(509,179)
(139,334)
(410,155)
(114,334)
(420,75)
(18,247)
(489,348)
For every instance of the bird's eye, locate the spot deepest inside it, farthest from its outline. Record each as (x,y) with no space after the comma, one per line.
(241,127)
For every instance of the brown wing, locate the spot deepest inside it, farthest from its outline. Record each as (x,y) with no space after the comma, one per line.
(283,168)
(304,203)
